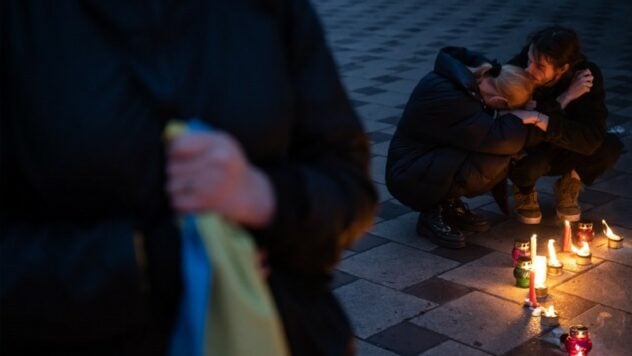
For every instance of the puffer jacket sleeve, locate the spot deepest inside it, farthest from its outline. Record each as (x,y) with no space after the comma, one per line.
(325,198)
(446,115)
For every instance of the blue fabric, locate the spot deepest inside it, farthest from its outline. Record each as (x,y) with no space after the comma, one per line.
(188,334)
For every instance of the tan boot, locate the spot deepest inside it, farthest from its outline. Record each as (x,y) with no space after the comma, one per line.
(566,191)
(526,207)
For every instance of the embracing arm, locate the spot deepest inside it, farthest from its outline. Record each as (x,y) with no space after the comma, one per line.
(581,126)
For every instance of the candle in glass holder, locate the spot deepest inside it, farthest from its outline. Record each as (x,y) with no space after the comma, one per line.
(583,257)
(521,248)
(534,247)
(521,271)
(578,341)
(614,241)
(539,266)
(585,231)
(554,266)
(549,317)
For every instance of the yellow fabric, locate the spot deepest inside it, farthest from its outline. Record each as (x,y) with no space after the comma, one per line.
(242,319)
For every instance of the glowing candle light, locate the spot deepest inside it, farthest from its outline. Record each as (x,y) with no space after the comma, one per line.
(583,257)
(539,266)
(614,241)
(554,266)
(568,237)
(534,247)
(550,317)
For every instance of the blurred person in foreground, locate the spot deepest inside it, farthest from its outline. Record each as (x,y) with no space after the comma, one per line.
(89,245)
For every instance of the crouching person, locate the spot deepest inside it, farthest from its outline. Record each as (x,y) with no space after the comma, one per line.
(451,141)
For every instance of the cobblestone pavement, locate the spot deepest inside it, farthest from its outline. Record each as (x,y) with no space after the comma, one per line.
(407,296)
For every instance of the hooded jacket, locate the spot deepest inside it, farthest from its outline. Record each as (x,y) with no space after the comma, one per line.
(448,141)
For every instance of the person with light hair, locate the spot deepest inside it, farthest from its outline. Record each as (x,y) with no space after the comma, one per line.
(452,141)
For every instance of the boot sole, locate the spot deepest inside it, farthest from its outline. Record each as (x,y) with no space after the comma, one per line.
(527,220)
(439,242)
(571,218)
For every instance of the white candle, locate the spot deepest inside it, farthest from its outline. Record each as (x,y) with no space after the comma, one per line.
(539,265)
(534,247)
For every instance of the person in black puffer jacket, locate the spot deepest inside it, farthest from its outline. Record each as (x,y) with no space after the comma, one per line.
(451,141)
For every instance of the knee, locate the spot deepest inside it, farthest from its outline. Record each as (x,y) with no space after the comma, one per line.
(527,171)
(610,149)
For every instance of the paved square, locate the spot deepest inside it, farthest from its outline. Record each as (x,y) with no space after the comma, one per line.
(396,266)
(607,284)
(397,286)
(482,321)
(373,308)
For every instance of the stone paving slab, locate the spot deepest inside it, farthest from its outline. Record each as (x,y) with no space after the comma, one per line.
(373,308)
(622,255)
(402,230)
(453,348)
(613,289)
(609,330)
(616,212)
(367,349)
(407,339)
(395,265)
(482,321)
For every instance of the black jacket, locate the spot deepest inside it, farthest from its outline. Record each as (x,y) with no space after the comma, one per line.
(86,89)
(447,139)
(581,126)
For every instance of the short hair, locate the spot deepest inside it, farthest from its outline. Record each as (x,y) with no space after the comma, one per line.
(515,84)
(559,45)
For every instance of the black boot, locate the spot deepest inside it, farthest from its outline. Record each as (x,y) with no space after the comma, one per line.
(431,225)
(456,213)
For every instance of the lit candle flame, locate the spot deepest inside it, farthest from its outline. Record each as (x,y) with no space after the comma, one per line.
(611,235)
(534,247)
(583,251)
(550,311)
(553,261)
(539,266)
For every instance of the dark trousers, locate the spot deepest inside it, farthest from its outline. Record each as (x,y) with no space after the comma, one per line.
(548,160)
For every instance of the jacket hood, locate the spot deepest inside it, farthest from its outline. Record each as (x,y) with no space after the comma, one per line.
(452,63)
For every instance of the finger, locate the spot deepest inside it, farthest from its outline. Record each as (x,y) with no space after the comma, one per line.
(187,166)
(189,144)
(181,186)
(186,203)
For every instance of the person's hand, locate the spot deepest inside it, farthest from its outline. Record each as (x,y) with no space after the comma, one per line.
(581,84)
(209,171)
(527,116)
(530,117)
